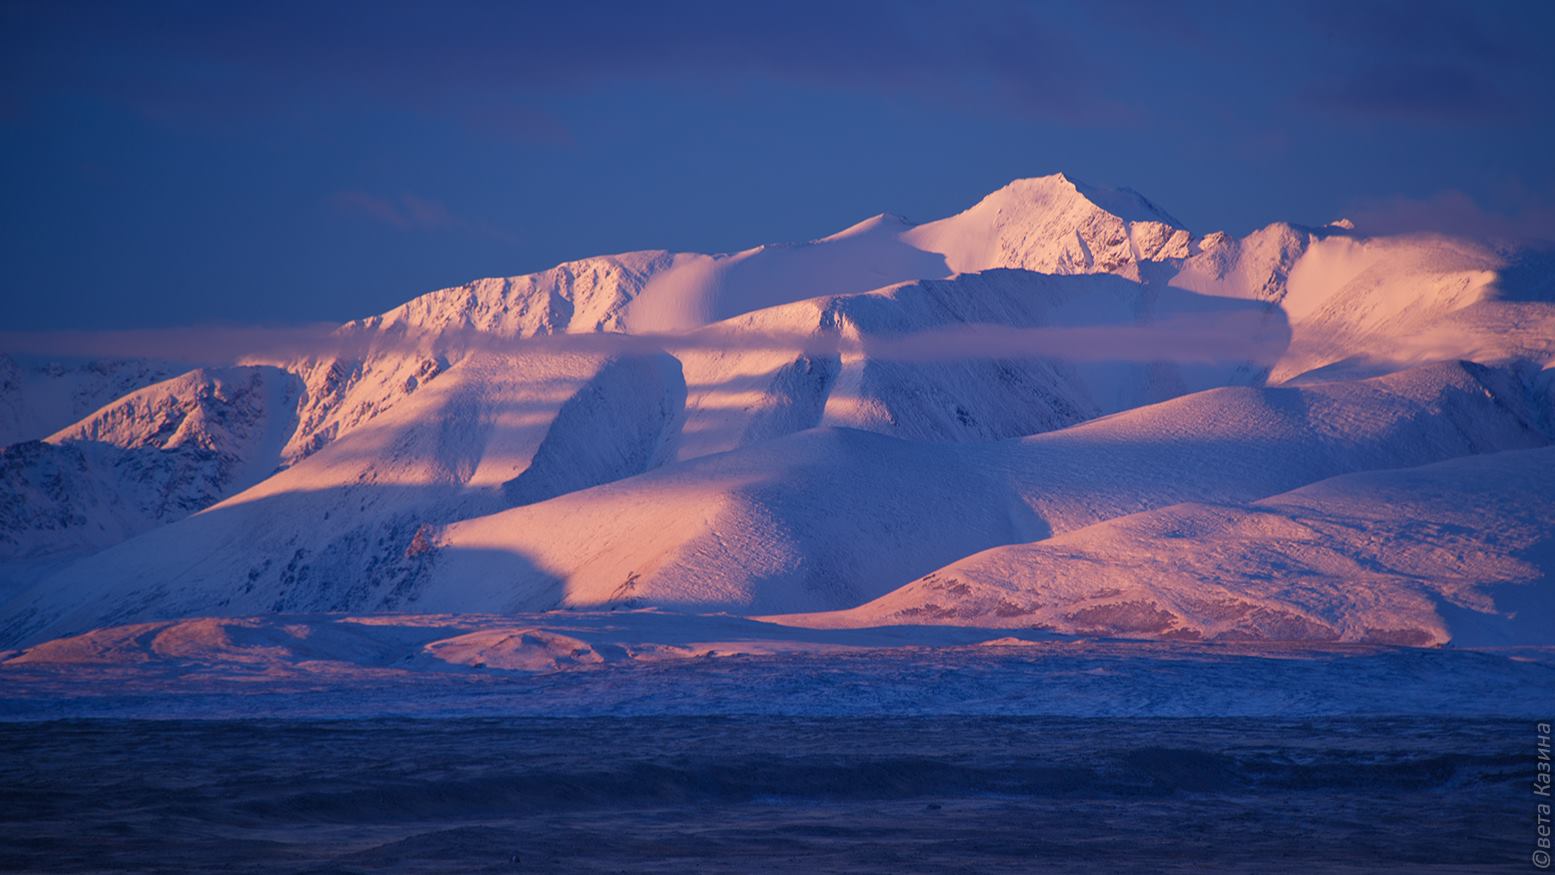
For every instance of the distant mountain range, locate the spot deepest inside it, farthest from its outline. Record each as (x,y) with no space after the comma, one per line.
(1059,409)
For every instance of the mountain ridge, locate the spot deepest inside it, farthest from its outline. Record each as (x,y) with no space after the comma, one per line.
(764,436)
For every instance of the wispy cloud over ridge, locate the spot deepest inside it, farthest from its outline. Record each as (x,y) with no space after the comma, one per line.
(1531,221)
(1249,334)
(408,212)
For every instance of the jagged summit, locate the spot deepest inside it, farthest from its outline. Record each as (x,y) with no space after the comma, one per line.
(1125,203)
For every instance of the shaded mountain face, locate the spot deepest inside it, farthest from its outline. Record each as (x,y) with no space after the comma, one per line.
(40,397)
(1018,398)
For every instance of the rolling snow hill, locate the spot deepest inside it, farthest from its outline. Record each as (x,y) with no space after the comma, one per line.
(821,520)
(1461,551)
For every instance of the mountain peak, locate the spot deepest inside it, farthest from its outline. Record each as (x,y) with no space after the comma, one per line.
(1056,224)
(1125,203)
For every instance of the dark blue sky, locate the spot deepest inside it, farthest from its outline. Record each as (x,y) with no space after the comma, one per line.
(177,164)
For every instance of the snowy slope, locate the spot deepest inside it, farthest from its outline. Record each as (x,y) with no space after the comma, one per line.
(834,517)
(1257,266)
(1461,551)
(824,517)
(965,400)
(387,358)
(702,289)
(1360,306)
(1349,299)
(1245,443)
(830,517)
(819,520)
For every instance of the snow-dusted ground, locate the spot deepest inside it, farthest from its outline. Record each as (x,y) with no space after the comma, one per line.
(647,741)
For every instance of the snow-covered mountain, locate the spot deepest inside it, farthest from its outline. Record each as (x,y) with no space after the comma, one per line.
(1018,398)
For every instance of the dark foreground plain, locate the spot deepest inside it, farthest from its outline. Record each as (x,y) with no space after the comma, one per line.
(767,794)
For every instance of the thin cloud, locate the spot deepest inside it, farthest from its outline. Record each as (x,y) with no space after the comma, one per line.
(1251,334)
(362,205)
(409,212)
